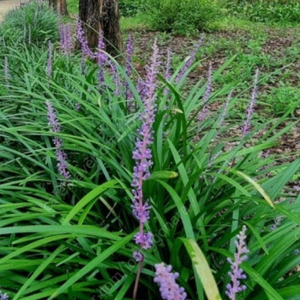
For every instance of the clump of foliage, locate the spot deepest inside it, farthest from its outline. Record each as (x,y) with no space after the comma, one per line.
(129,8)
(281,99)
(183,17)
(267,11)
(32,23)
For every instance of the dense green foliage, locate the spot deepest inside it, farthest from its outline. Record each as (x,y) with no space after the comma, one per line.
(183,17)
(33,23)
(267,11)
(72,238)
(129,8)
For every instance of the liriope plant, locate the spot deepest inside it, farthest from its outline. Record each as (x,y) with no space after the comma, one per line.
(73,236)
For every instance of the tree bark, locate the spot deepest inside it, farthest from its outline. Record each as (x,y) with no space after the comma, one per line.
(60,6)
(97,15)
(110,25)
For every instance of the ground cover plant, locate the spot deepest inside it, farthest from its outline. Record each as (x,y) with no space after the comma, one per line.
(89,143)
(33,23)
(267,11)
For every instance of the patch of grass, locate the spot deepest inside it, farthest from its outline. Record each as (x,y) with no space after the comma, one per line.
(136,23)
(281,99)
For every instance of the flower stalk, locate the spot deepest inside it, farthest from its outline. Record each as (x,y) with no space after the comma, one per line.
(143,161)
(236,272)
(61,156)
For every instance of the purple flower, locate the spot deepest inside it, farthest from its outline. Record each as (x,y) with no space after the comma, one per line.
(138,256)
(101,58)
(50,59)
(189,61)
(140,211)
(169,289)
(83,41)
(145,240)
(141,88)
(297,186)
(206,96)
(65,38)
(236,272)
(142,152)
(250,109)
(61,156)
(62,163)
(3,296)
(52,119)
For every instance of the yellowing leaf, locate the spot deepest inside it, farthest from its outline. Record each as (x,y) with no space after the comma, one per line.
(202,269)
(257,187)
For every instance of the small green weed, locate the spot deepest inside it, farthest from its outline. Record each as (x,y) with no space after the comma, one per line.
(282,99)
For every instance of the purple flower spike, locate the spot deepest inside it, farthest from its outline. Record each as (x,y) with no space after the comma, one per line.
(145,240)
(236,272)
(50,59)
(83,41)
(65,38)
(61,156)
(169,289)
(141,88)
(101,58)
(142,152)
(250,109)
(206,96)
(52,119)
(62,163)
(190,60)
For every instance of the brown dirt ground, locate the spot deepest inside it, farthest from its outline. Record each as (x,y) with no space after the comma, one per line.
(275,45)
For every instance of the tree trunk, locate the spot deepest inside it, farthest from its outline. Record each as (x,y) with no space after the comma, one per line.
(89,15)
(102,15)
(62,7)
(110,25)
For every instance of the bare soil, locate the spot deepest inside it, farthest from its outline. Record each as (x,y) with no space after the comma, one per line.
(277,44)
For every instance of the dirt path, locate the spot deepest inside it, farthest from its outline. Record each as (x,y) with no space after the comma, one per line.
(7,5)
